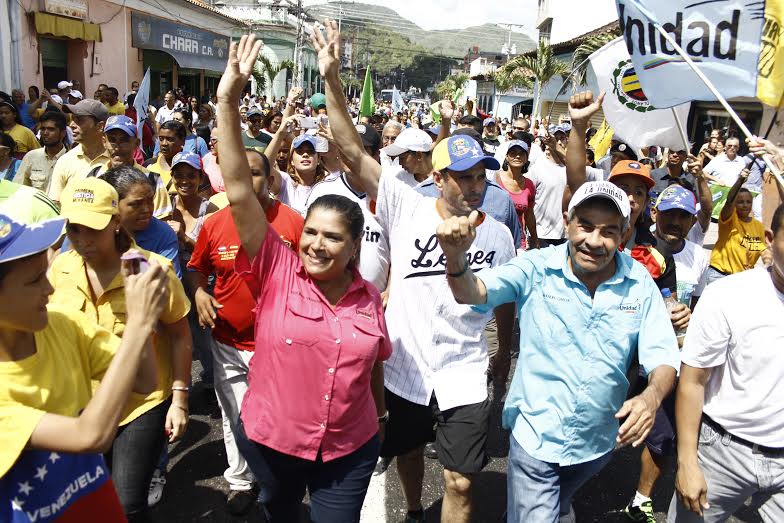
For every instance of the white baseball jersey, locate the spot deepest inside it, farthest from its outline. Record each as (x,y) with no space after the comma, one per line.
(438,345)
(374,255)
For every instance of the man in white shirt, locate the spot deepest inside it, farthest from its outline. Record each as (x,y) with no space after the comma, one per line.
(726,167)
(166,112)
(411,148)
(729,401)
(549,177)
(437,374)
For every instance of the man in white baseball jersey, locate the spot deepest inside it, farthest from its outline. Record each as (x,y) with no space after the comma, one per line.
(437,374)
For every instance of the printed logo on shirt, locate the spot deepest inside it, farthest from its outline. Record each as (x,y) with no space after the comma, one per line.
(371,236)
(432,257)
(630,308)
(366,314)
(228,253)
(553,297)
(752,243)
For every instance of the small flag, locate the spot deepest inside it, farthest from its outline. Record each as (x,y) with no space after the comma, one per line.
(627,108)
(142,103)
(737,44)
(367,106)
(601,141)
(397,101)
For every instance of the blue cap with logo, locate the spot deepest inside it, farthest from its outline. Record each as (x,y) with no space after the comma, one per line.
(18,240)
(189,158)
(677,197)
(122,123)
(460,153)
(299,140)
(517,143)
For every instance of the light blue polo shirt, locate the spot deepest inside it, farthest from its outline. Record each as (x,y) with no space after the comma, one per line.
(570,378)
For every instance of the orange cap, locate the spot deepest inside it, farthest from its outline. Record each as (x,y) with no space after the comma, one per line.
(625,167)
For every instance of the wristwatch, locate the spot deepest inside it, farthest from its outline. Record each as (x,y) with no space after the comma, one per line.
(384,418)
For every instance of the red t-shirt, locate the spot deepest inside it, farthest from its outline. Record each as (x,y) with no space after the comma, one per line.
(215,251)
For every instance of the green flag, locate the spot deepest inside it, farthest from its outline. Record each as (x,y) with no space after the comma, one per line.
(366,105)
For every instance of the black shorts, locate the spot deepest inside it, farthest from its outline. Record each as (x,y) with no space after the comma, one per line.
(460,433)
(661,438)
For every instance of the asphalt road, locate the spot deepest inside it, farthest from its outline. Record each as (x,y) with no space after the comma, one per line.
(196,490)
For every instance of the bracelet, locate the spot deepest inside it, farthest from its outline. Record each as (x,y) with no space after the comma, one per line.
(384,418)
(181,389)
(458,274)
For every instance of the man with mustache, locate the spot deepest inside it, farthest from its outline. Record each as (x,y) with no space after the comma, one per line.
(587,309)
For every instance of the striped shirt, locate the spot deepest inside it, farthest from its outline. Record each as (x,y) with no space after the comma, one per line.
(437,345)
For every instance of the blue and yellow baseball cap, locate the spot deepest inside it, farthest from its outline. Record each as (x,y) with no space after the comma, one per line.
(460,153)
(122,123)
(18,240)
(677,197)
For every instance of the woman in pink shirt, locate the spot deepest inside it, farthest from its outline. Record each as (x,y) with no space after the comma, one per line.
(312,415)
(521,189)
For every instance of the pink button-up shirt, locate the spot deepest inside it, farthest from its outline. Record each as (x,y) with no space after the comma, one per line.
(309,379)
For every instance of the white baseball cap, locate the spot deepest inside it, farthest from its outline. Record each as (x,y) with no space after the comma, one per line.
(605,190)
(76,94)
(64,84)
(409,139)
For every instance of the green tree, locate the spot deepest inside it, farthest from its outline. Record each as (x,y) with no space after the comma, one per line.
(452,85)
(542,67)
(269,72)
(584,50)
(351,84)
(505,81)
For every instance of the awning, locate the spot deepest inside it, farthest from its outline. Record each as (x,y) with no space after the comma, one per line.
(191,47)
(67,27)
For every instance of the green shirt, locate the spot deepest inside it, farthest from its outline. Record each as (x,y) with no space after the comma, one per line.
(259,143)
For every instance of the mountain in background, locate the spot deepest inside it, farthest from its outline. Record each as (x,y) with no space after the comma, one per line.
(452,43)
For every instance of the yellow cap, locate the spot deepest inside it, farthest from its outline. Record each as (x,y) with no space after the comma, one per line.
(90,202)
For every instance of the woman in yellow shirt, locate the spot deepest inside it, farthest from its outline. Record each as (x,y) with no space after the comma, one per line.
(12,126)
(88,279)
(741,236)
(52,427)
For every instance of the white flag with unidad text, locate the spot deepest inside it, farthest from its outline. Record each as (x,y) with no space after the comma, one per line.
(626,106)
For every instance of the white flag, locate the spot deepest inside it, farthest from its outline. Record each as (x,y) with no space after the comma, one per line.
(626,107)
(397,101)
(142,103)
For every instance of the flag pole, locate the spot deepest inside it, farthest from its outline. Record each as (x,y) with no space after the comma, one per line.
(716,93)
(681,130)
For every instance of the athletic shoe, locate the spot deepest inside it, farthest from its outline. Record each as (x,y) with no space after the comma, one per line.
(240,502)
(641,514)
(430,451)
(155,493)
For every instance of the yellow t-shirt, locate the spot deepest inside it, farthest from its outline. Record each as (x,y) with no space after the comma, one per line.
(739,245)
(71,352)
(163,204)
(118,108)
(71,289)
(24,138)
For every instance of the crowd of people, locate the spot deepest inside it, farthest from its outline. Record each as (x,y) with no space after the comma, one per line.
(355,289)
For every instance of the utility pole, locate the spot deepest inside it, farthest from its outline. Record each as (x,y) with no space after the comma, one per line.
(508,49)
(297,82)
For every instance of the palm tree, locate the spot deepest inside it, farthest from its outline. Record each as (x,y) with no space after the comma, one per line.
(505,81)
(269,72)
(543,67)
(584,50)
(452,85)
(351,84)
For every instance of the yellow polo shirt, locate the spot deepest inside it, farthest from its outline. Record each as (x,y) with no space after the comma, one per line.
(739,244)
(164,172)
(68,276)
(24,138)
(73,165)
(70,353)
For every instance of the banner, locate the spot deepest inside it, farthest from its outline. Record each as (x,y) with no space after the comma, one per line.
(737,44)
(142,103)
(366,104)
(719,194)
(626,107)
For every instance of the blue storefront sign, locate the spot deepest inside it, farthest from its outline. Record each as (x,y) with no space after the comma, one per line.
(192,48)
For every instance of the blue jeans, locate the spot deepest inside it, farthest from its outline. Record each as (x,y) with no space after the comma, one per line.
(540,491)
(202,349)
(337,488)
(133,457)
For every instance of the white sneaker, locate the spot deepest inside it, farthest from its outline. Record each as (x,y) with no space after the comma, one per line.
(156,488)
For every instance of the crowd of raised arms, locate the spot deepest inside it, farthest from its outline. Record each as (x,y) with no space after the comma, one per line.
(356,289)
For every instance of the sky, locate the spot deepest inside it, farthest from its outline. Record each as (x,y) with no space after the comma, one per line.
(454,14)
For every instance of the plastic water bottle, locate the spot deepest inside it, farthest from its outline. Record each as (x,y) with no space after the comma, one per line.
(671,302)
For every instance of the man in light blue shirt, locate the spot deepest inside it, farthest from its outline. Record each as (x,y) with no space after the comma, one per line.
(586,310)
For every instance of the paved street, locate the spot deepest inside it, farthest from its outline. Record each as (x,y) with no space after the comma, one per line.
(196,490)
